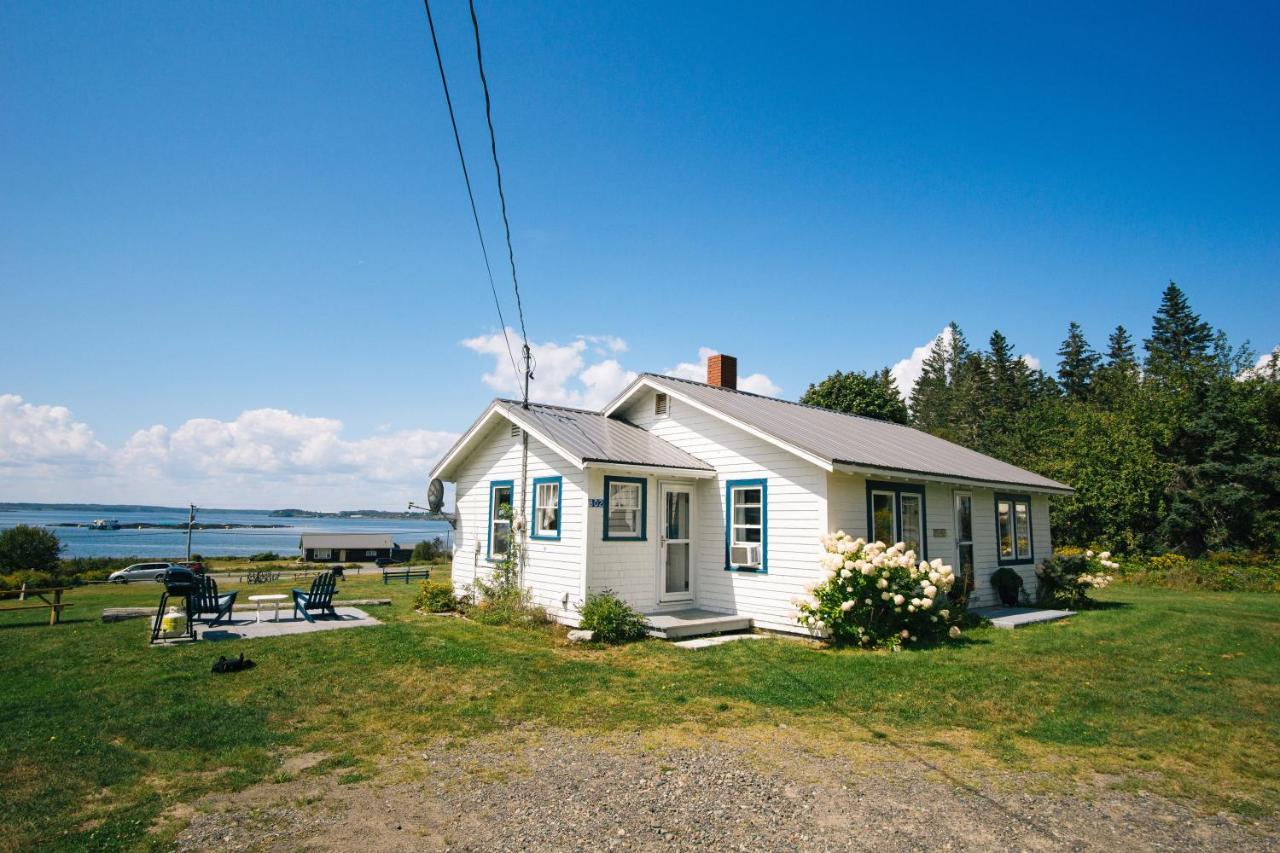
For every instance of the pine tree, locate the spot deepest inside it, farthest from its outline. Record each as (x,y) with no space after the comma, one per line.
(930,396)
(1180,341)
(1120,349)
(1077,364)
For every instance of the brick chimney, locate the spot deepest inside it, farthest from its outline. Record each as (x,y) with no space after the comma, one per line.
(722,371)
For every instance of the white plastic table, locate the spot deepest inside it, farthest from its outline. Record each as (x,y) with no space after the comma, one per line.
(273,600)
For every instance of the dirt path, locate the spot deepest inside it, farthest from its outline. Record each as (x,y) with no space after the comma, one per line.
(754,789)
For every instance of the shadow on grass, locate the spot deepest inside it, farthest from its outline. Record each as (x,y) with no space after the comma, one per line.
(44,623)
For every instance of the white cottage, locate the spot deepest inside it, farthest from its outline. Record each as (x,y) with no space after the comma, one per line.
(682,495)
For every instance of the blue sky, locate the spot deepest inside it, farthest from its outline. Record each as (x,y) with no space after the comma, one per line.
(227,208)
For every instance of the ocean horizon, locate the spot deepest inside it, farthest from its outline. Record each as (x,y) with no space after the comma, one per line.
(157,544)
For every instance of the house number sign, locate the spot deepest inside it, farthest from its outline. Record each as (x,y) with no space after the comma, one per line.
(597,502)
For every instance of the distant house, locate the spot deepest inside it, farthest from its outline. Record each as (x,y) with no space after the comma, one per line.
(350,547)
(682,495)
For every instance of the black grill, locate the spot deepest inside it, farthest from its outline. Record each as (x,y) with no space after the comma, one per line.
(180,582)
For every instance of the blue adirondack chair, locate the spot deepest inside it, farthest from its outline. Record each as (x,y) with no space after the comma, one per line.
(319,598)
(206,602)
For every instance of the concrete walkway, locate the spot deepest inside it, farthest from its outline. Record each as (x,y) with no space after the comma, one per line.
(242,628)
(1016,617)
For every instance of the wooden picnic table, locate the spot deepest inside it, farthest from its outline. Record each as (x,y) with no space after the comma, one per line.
(55,606)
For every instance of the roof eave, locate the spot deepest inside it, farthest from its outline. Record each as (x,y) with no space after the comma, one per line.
(642,468)
(906,473)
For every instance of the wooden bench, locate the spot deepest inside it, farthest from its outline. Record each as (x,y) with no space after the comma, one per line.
(54,607)
(406,574)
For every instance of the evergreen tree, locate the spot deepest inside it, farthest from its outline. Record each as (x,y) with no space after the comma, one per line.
(1180,342)
(1077,364)
(1120,349)
(930,396)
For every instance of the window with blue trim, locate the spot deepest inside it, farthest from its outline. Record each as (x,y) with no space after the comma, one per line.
(895,513)
(500,492)
(746,525)
(546,508)
(625,508)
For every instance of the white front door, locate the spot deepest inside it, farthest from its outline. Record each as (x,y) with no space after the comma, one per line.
(675,556)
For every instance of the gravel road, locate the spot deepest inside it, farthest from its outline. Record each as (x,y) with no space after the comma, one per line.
(539,789)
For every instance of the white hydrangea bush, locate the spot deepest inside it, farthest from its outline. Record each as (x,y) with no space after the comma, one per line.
(1067,577)
(873,594)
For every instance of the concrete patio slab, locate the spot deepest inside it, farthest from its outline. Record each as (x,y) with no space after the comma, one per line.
(248,628)
(1016,617)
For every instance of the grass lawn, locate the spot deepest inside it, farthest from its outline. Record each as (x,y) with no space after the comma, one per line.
(1176,691)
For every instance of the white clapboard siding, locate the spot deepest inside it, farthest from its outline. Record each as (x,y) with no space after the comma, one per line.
(553,569)
(797,514)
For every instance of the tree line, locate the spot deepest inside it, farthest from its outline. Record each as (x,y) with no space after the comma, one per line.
(1174,450)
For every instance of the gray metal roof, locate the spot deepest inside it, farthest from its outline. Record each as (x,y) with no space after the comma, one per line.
(592,437)
(853,440)
(346,540)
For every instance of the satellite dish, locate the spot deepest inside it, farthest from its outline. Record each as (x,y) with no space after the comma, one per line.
(435,495)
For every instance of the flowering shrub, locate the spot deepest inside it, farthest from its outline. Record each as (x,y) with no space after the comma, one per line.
(877,595)
(1067,578)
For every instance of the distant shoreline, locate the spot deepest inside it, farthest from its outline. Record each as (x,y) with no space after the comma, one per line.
(146,525)
(16,506)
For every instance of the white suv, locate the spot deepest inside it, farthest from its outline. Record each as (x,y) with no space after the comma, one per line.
(141,572)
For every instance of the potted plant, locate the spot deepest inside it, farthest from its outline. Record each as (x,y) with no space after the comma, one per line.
(1008,585)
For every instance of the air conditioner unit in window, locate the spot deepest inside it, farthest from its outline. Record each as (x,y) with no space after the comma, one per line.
(745,555)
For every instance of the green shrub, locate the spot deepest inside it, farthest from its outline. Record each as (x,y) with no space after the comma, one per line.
(1066,578)
(435,597)
(264,557)
(875,595)
(1008,585)
(1223,571)
(429,551)
(611,619)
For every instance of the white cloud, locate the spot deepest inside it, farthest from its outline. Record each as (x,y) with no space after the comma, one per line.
(756,383)
(908,370)
(1030,361)
(264,457)
(561,374)
(43,435)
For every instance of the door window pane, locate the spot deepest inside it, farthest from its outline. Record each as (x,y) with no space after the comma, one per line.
(964,518)
(883,518)
(912,523)
(677,515)
(677,576)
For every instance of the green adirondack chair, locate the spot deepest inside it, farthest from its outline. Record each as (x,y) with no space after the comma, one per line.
(320,597)
(206,602)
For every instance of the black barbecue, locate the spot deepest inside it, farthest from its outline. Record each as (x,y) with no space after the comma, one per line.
(179,583)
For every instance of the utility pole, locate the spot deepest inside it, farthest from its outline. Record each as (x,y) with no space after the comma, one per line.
(527,358)
(191,517)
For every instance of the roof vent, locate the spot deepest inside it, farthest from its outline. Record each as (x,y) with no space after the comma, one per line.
(515,431)
(661,404)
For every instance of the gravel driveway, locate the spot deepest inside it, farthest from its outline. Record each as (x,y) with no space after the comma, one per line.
(748,790)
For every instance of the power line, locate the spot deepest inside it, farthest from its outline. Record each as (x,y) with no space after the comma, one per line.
(493,147)
(466,176)
(502,196)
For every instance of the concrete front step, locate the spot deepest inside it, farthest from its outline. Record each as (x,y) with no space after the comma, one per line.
(1016,617)
(682,624)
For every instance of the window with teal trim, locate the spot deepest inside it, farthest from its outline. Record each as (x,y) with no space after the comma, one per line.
(500,492)
(895,513)
(1013,529)
(625,508)
(746,525)
(546,507)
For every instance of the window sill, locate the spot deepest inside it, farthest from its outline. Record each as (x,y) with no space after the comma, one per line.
(755,570)
(625,539)
(1011,562)
(544,538)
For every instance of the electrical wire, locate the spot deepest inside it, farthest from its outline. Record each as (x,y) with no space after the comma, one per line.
(466,176)
(493,147)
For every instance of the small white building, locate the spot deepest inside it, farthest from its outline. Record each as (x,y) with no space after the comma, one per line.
(682,495)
